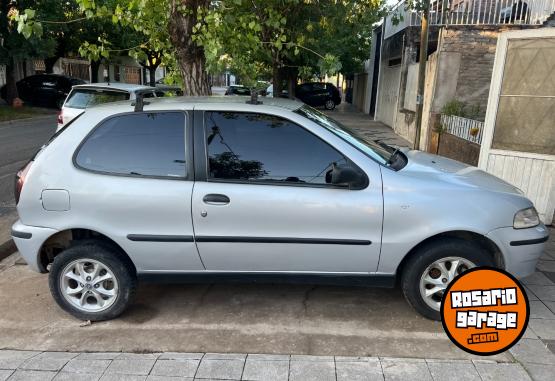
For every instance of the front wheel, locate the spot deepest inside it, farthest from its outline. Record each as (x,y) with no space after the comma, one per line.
(92,281)
(433,267)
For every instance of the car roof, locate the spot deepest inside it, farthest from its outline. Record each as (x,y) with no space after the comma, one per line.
(51,75)
(189,103)
(130,87)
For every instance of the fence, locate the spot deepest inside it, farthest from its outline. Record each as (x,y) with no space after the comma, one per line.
(468,129)
(76,68)
(472,12)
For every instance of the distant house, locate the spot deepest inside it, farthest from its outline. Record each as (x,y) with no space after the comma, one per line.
(463,43)
(119,69)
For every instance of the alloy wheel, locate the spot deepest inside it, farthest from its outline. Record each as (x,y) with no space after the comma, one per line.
(438,275)
(89,285)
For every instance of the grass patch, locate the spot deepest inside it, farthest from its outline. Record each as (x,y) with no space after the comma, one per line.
(8,113)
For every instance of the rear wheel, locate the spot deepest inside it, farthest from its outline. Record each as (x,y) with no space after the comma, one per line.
(92,281)
(433,267)
(329,105)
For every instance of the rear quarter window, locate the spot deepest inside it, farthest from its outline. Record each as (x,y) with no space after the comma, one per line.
(83,98)
(138,144)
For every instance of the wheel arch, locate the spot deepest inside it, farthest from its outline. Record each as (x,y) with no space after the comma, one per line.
(487,244)
(64,239)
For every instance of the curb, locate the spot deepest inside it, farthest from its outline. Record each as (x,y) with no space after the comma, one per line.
(7,249)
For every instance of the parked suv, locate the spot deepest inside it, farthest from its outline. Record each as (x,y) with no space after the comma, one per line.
(207,188)
(318,94)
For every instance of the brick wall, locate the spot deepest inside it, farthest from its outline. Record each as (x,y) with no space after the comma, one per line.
(453,147)
(476,44)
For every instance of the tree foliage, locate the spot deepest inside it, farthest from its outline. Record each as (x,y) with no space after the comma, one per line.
(23,41)
(251,38)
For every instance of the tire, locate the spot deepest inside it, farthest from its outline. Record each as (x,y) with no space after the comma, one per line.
(425,261)
(104,300)
(329,105)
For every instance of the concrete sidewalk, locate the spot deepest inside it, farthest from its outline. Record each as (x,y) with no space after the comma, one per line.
(44,366)
(363,124)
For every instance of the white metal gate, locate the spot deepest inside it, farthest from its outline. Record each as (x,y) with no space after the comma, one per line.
(519,134)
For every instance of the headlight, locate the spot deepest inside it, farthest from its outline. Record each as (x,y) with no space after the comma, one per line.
(526,218)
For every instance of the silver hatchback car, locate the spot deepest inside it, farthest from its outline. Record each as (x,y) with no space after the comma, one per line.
(218,188)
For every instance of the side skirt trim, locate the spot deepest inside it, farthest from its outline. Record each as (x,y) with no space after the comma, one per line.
(366,280)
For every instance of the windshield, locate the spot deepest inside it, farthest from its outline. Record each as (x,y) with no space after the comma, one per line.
(83,98)
(380,152)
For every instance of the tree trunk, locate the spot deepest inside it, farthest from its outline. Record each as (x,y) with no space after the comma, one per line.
(190,56)
(11,87)
(276,77)
(49,64)
(152,75)
(95,65)
(292,76)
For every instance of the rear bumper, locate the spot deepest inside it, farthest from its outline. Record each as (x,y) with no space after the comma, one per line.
(29,240)
(521,248)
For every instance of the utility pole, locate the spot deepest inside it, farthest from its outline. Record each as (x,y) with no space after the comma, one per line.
(422,70)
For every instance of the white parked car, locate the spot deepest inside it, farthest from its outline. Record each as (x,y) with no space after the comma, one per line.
(84,96)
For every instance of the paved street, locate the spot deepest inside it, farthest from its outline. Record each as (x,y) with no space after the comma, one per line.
(19,140)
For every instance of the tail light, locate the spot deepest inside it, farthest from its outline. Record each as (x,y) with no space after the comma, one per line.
(20,180)
(61,118)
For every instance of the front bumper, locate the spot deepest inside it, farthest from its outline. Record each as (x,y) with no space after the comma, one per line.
(29,240)
(521,248)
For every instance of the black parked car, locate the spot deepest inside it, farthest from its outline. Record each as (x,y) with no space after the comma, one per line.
(318,94)
(49,90)
(238,90)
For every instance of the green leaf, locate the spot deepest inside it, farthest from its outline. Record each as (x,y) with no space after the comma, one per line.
(37,29)
(27,31)
(30,13)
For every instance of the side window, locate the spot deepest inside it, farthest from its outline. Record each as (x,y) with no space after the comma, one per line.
(305,88)
(141,144)
(48,81)
(319,86)
(258,147)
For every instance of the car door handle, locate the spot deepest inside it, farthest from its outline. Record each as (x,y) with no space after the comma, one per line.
(216,199)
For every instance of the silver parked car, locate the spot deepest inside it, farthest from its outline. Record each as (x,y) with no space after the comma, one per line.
(216,188)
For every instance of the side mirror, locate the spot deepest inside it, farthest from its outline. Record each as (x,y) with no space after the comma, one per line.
(346,175)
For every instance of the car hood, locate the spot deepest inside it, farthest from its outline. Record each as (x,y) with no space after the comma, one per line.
(424,165)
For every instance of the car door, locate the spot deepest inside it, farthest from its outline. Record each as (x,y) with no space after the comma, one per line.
(136,184)
(321,94)
(304,93)
(261,201)
(47,91)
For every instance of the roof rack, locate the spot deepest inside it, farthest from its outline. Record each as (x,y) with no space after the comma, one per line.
(139,99)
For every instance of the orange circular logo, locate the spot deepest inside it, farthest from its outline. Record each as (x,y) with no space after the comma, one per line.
(485,311)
